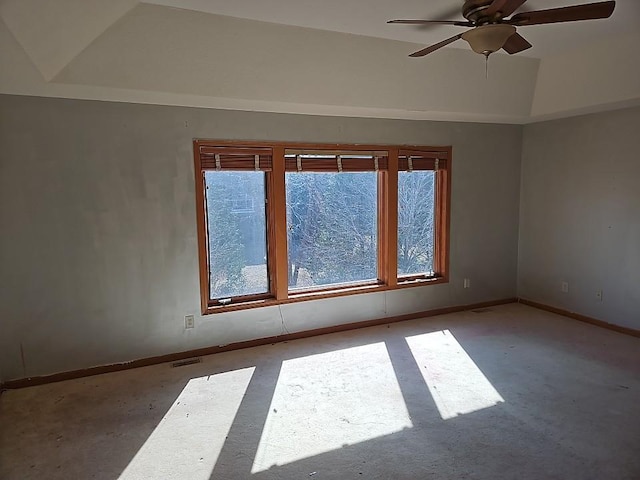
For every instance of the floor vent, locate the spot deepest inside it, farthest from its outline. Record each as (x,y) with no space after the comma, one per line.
(189,361)
(481,310)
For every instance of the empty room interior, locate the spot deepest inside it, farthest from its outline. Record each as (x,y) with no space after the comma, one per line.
(295,239)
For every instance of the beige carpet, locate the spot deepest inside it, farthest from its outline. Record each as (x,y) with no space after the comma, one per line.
(510,392)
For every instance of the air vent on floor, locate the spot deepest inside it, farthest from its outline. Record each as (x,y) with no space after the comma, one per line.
(189,361)
(481,310)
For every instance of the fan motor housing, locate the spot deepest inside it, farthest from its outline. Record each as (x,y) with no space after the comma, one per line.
(473,10)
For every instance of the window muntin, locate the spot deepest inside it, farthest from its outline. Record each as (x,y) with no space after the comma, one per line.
(237,238)
(331,228)
(416,223)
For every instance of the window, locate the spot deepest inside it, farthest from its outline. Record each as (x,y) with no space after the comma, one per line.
(236,229)
(288,222)
(416,202)
(417,222)
(233,189)
(332,220)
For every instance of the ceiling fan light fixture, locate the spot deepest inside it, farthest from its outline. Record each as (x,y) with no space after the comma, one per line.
(487,39)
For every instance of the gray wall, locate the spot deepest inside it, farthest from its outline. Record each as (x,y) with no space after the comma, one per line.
(98,246)
(580,215)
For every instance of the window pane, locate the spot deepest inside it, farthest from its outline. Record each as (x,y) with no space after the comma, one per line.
(236,217)
(416,200)
(332,228)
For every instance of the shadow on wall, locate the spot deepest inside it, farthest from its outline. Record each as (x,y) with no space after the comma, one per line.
(399,401)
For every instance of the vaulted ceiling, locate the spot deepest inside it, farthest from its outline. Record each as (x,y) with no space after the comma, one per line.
(336,57)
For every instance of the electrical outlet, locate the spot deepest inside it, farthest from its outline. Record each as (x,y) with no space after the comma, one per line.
(599,295)
(466,283)
(189,321)
(564,287)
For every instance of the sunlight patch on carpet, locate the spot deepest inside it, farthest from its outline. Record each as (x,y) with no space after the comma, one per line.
(189,438)
(326,401)
(456,383)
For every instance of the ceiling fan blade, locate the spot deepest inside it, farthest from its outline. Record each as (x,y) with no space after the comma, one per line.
(589,11)
(505,7)
(515,44)
(434,47)
(432,22)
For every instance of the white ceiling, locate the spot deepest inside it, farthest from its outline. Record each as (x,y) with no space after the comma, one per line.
(301,56)
(369,18)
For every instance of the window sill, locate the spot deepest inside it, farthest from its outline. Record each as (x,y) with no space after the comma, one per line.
(305,296)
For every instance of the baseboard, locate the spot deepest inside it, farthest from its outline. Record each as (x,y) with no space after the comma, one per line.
(172,357)
(582,318)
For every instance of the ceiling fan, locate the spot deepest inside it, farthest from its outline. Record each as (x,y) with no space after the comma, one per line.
(492,30)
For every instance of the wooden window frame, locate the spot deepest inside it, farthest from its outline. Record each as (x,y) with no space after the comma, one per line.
(277,253)
(441,215)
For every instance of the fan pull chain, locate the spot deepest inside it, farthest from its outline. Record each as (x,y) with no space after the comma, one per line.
(486,66)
